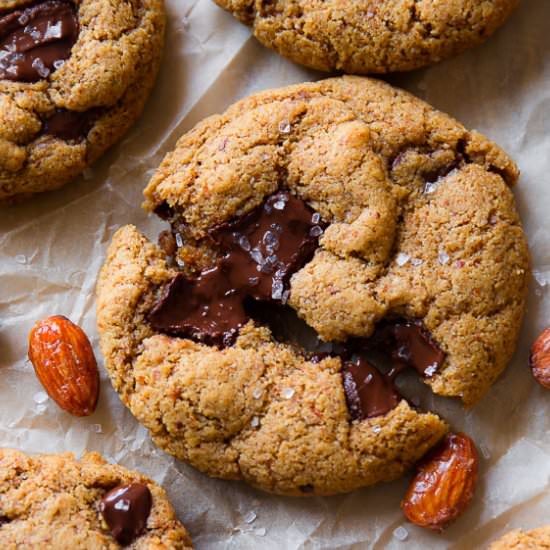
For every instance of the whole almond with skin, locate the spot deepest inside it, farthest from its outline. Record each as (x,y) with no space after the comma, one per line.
(539,359)
(444,483)
(64,362)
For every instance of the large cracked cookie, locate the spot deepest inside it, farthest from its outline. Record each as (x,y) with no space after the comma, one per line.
(74,76)
(536,539)
(55,501)
(366,36)
(317,232)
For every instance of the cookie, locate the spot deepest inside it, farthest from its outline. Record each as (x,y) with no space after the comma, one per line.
(317,232)
(74,76)
(363,36)
(537,539)
(56,501)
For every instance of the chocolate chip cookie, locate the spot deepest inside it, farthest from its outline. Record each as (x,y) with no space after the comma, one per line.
(324,238)
(537,539)
(56,501)
(74,76)
(364,36)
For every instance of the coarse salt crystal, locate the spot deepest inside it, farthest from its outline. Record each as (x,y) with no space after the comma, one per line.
(257,256)
(257,393)
(40,68)
(316,231)
(54,30)
(261,531)
(443,257)
(316,218)
(402,259)
(284,127)
(431,187)
(255,422)
(58,63)
(277,289)
(21,259)
(97,428)
(287,393)
(250,517)
(376,429)
(542,277)
(244,243)
(401,533)
(431,370)
(279,205)
(179,240)
(40,397)
(122,505)
(485,451)
(417,261)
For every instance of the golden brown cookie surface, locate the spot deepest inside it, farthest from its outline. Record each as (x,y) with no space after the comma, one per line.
(537,539)
(74,76)
(55,501)
(417,223)
(366,36)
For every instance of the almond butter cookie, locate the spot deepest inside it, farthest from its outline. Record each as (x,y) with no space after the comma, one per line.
(370,36)
(324,238)
(56,501)
(74,76)
(537,539)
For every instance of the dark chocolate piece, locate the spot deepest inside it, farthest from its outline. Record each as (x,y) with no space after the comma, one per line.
(35,41)
(307,489)
(368,392)
(260,253)
(125,510)
(412,346)
(70,125)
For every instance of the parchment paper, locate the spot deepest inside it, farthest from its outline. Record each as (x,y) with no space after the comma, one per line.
(52,247)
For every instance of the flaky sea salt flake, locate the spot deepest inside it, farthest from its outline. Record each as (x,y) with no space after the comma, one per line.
(257,393)
(250,517)
(402,258)
(400,533)
(284,127)
(287,393)
(40,397)
(443,257)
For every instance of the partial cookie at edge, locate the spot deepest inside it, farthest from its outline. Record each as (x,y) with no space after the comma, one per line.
(55,500)
(362,36)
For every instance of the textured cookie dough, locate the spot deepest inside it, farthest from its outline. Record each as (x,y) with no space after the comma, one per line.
(370,36)
(108,76)
(53,501)
(537,539)
(421,225)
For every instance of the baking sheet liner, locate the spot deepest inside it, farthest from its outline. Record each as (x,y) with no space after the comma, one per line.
(52,247)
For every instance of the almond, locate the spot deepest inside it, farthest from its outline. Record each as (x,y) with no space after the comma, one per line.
(64,362)
(444,483)
(539,360)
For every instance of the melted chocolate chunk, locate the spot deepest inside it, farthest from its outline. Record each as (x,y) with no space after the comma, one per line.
(368,392)
(261,252)
(412,346)
(36,40)
(70,125)
(125,510)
